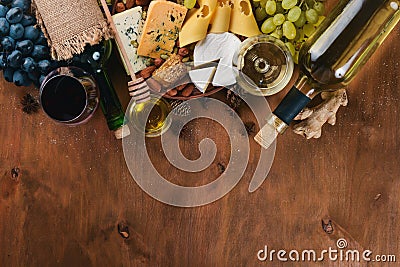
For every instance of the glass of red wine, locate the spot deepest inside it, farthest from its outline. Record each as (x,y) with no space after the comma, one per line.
(69,95)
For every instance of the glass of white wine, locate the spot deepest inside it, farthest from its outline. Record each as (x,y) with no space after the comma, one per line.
(265,65)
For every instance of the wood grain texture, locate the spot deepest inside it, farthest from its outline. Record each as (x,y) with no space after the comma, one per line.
(73,188)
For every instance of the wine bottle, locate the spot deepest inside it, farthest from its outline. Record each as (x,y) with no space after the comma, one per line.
(95,58)
(333,55)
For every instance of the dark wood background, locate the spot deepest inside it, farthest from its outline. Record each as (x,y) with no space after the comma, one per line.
(74,189)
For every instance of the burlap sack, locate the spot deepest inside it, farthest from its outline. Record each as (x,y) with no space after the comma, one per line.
(70,25)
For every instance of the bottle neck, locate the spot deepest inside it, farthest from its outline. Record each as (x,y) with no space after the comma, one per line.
(293,103)
(304,85)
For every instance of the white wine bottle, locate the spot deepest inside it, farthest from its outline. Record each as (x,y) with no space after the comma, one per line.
(333,55)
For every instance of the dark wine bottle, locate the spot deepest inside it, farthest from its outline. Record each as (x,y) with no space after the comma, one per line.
(96,57)
(333,55)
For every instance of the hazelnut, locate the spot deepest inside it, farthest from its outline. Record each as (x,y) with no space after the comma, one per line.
(183,52)
(158,62)
(120,7)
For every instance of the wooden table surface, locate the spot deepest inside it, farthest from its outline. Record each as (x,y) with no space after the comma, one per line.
(74,189)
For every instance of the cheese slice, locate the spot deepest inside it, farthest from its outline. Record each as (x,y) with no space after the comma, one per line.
(160,31)
(222,46)
(196,24)
(129,25)
(201,78)
(242,19)
(222,16)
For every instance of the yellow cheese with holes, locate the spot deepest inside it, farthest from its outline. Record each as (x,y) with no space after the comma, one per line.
(196,24)
(242,19)
(161,28)
(222,16)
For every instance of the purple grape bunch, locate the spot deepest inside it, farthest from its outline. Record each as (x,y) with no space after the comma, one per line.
(24,53)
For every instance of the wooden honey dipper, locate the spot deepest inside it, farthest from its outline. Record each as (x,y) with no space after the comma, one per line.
(138,88)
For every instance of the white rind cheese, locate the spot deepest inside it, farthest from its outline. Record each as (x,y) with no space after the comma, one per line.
(201,78)
(222,46)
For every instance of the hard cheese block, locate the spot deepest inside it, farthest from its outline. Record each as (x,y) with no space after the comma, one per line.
(129,25)
(242,19)
(222,17)
(163,23)
(196,24)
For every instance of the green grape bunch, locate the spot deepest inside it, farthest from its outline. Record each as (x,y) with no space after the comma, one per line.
(291,21)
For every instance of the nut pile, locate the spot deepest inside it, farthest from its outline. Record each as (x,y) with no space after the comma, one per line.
(169,76)
(160,73)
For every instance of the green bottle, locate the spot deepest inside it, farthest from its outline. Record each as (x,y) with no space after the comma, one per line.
(97,57)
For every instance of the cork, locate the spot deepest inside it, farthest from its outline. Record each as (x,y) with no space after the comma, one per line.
(122,132)
(266,136)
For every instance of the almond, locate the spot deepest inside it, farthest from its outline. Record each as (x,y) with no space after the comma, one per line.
(172,92)
(181,87)
(188,90)
(146,72)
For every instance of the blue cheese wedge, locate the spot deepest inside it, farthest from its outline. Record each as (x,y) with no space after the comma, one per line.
(129,25)
(161,29)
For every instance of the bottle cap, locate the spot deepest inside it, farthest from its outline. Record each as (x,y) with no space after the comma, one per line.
(122,132)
